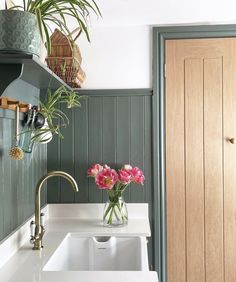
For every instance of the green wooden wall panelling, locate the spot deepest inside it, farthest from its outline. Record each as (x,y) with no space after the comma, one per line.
(106,129)
(67,195)
(18,179)
(81,151)
(94,144)
(113,127)
(53,163)
(123,130)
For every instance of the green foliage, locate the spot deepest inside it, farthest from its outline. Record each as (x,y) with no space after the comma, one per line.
(56,12)
(50,109)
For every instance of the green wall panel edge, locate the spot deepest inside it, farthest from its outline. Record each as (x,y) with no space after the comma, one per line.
(115,92)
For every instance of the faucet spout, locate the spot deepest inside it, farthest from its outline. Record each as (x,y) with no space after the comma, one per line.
(39,229)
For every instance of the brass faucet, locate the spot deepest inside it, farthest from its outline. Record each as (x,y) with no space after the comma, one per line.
(39,230)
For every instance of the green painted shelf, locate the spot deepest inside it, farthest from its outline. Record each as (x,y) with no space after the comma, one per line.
(29,69)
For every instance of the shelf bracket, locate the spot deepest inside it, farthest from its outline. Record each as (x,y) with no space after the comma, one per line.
(9,73)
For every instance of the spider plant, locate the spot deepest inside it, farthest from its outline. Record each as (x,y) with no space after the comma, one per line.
(56,12)
(50,109)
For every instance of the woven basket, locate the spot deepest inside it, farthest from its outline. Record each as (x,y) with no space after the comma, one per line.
(65,60)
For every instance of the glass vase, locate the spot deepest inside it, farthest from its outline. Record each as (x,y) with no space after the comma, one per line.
(26,143)
(115,212)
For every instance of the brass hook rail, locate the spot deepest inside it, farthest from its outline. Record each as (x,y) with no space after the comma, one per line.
(10,104)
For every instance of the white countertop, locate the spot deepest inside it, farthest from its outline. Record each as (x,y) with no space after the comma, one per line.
(135,227)
(26,265)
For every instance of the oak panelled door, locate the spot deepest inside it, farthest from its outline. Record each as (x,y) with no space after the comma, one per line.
(201,160)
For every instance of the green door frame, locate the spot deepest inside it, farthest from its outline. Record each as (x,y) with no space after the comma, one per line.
(160,35)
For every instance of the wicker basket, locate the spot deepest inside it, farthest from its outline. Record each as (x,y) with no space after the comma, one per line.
(65,60)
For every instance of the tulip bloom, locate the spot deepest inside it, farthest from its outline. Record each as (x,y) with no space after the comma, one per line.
(137,175)
(125,176)
(94,170)
(106,179)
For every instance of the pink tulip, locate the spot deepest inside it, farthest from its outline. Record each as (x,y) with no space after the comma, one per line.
(106,179)
(137,175)
(94,170)
(125,176)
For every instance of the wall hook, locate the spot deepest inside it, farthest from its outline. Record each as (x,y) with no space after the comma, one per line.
(10,104)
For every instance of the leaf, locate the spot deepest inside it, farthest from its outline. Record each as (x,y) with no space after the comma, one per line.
(9,4)
(96,9)
(51,110)
(57,12)
(48,39)
(39,20)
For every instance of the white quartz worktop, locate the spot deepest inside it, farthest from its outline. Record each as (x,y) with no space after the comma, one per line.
(136,227)
(27,265)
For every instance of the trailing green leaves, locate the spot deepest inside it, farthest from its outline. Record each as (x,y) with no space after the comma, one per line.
(50,109)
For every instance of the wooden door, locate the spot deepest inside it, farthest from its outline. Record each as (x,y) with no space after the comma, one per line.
(200,160)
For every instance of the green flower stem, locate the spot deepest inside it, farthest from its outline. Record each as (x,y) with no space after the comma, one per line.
(117,216)
(114,211)
(111,214)
(123,216)
(107,211)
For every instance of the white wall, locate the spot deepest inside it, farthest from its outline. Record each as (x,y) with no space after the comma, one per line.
(120,55)
(117,57)
(149,12)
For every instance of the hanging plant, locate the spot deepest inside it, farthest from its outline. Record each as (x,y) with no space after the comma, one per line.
(50,109)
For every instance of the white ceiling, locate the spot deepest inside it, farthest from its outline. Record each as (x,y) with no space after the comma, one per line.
(154,12)
(128,12)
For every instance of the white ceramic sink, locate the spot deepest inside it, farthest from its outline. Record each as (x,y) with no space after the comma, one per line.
(80,253)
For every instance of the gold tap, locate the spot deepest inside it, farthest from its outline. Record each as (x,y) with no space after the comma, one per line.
(39,230)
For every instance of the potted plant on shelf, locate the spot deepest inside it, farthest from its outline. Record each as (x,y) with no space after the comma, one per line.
(22,25)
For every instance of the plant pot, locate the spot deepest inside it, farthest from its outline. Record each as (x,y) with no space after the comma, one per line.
(19,32)
(46,136)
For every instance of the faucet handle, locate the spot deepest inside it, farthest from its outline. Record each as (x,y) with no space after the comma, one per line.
(32,232)
(32,228)
(42,219)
